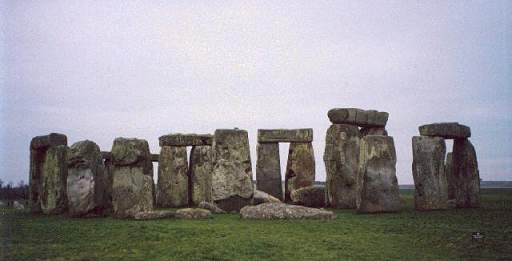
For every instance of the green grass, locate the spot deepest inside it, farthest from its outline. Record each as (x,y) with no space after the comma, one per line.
(408,235)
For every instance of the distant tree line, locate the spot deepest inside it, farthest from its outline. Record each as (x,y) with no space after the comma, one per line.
(10,193)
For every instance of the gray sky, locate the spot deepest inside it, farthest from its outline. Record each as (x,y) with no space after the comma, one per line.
(104,69)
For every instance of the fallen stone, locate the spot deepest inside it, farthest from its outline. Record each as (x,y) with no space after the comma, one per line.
(54,173)
(466,174)
(341,158)
(172,186)
(261,197)
(447,130)
(193,213)
(431,187)
(284,211)
(179,139)
(300,168)
(377,180)
(201,165)
(285,135)
(268,169)
(359,117)
(232,171)
(155,214)
(374,131)
(211,206)
(312,196)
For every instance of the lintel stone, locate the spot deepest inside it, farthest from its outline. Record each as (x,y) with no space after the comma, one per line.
(285,135)
(179,139)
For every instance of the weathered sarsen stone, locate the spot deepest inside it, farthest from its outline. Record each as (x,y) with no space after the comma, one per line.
(300,168)
(172,187)
(284,211)
(268,169)
(359,117)
(285,135)
(431,187)
(448,170)
(261,197)
(54,174)
(86,181)
(448,130)
(466,175)
(312,196)
(193,213)
(133,187)
(341,158)
(179,139)
(232,172)
(377,180)
(201,166)
(374,131)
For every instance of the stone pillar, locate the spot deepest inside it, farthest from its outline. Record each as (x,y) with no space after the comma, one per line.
(86,182)
(232,186)
(132,188)
(172,187)
(465,174)
(448,170)
(268,169)
(200,189)
(108,170)
(341,158)
(431,187)
(377,180)
(53,198)
(300,168)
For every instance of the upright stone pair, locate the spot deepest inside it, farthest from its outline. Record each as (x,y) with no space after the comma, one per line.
(300,168)
(181,184)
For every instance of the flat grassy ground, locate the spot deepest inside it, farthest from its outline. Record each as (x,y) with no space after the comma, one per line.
(408,235)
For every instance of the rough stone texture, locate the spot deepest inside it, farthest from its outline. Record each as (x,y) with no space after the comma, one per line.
(341,158)
(285,135)
(377,176)
(431,187)
(466,175)
(284,211)
(18,205)
(450,179)
(211,206)
(359,117)
(172,187)
(312,196)
(201,166)
(374,131)
(232,172)
(86,181)
(132,185)
(50,140)
(268,169)
(261,197)
(448,130)
(155,214)
(54,173)
(300,168)
(193,213)
(155,157)
(179,139)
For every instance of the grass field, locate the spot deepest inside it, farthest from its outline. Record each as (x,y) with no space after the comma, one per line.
(408,235)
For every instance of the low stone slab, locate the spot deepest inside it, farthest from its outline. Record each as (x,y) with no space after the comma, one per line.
(211,206)
(447,130)
(155,214)
(285,135)
(261,197)
(193,213)
(179,139)
(359,117)
(312,196)
(45,141)
(284,211)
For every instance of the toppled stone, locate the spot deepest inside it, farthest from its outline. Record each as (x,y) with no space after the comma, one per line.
(155,214)
(232,172)
(312,196)
(341,158)
(179,139)
(431,187)
(359,117)
(377,180)
(374,131)
(300,168)
(261,197)
(268,169)
(201,166)
(211,206)
(466,175)
(284,211)
(193,213)
(172,186)
(447,130)
(285,135)
(54,173)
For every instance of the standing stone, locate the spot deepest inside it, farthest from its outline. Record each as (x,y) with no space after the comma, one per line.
(232,172)
(86,181)
(108,169)
(300,168)
(431,188)
(201,174)
(172,187)
(132,188)
(268,169)
(377,176)
(54,172)
(466,174)
(448,170)
(341,160)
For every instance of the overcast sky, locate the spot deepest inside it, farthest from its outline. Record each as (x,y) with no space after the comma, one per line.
(104,69)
